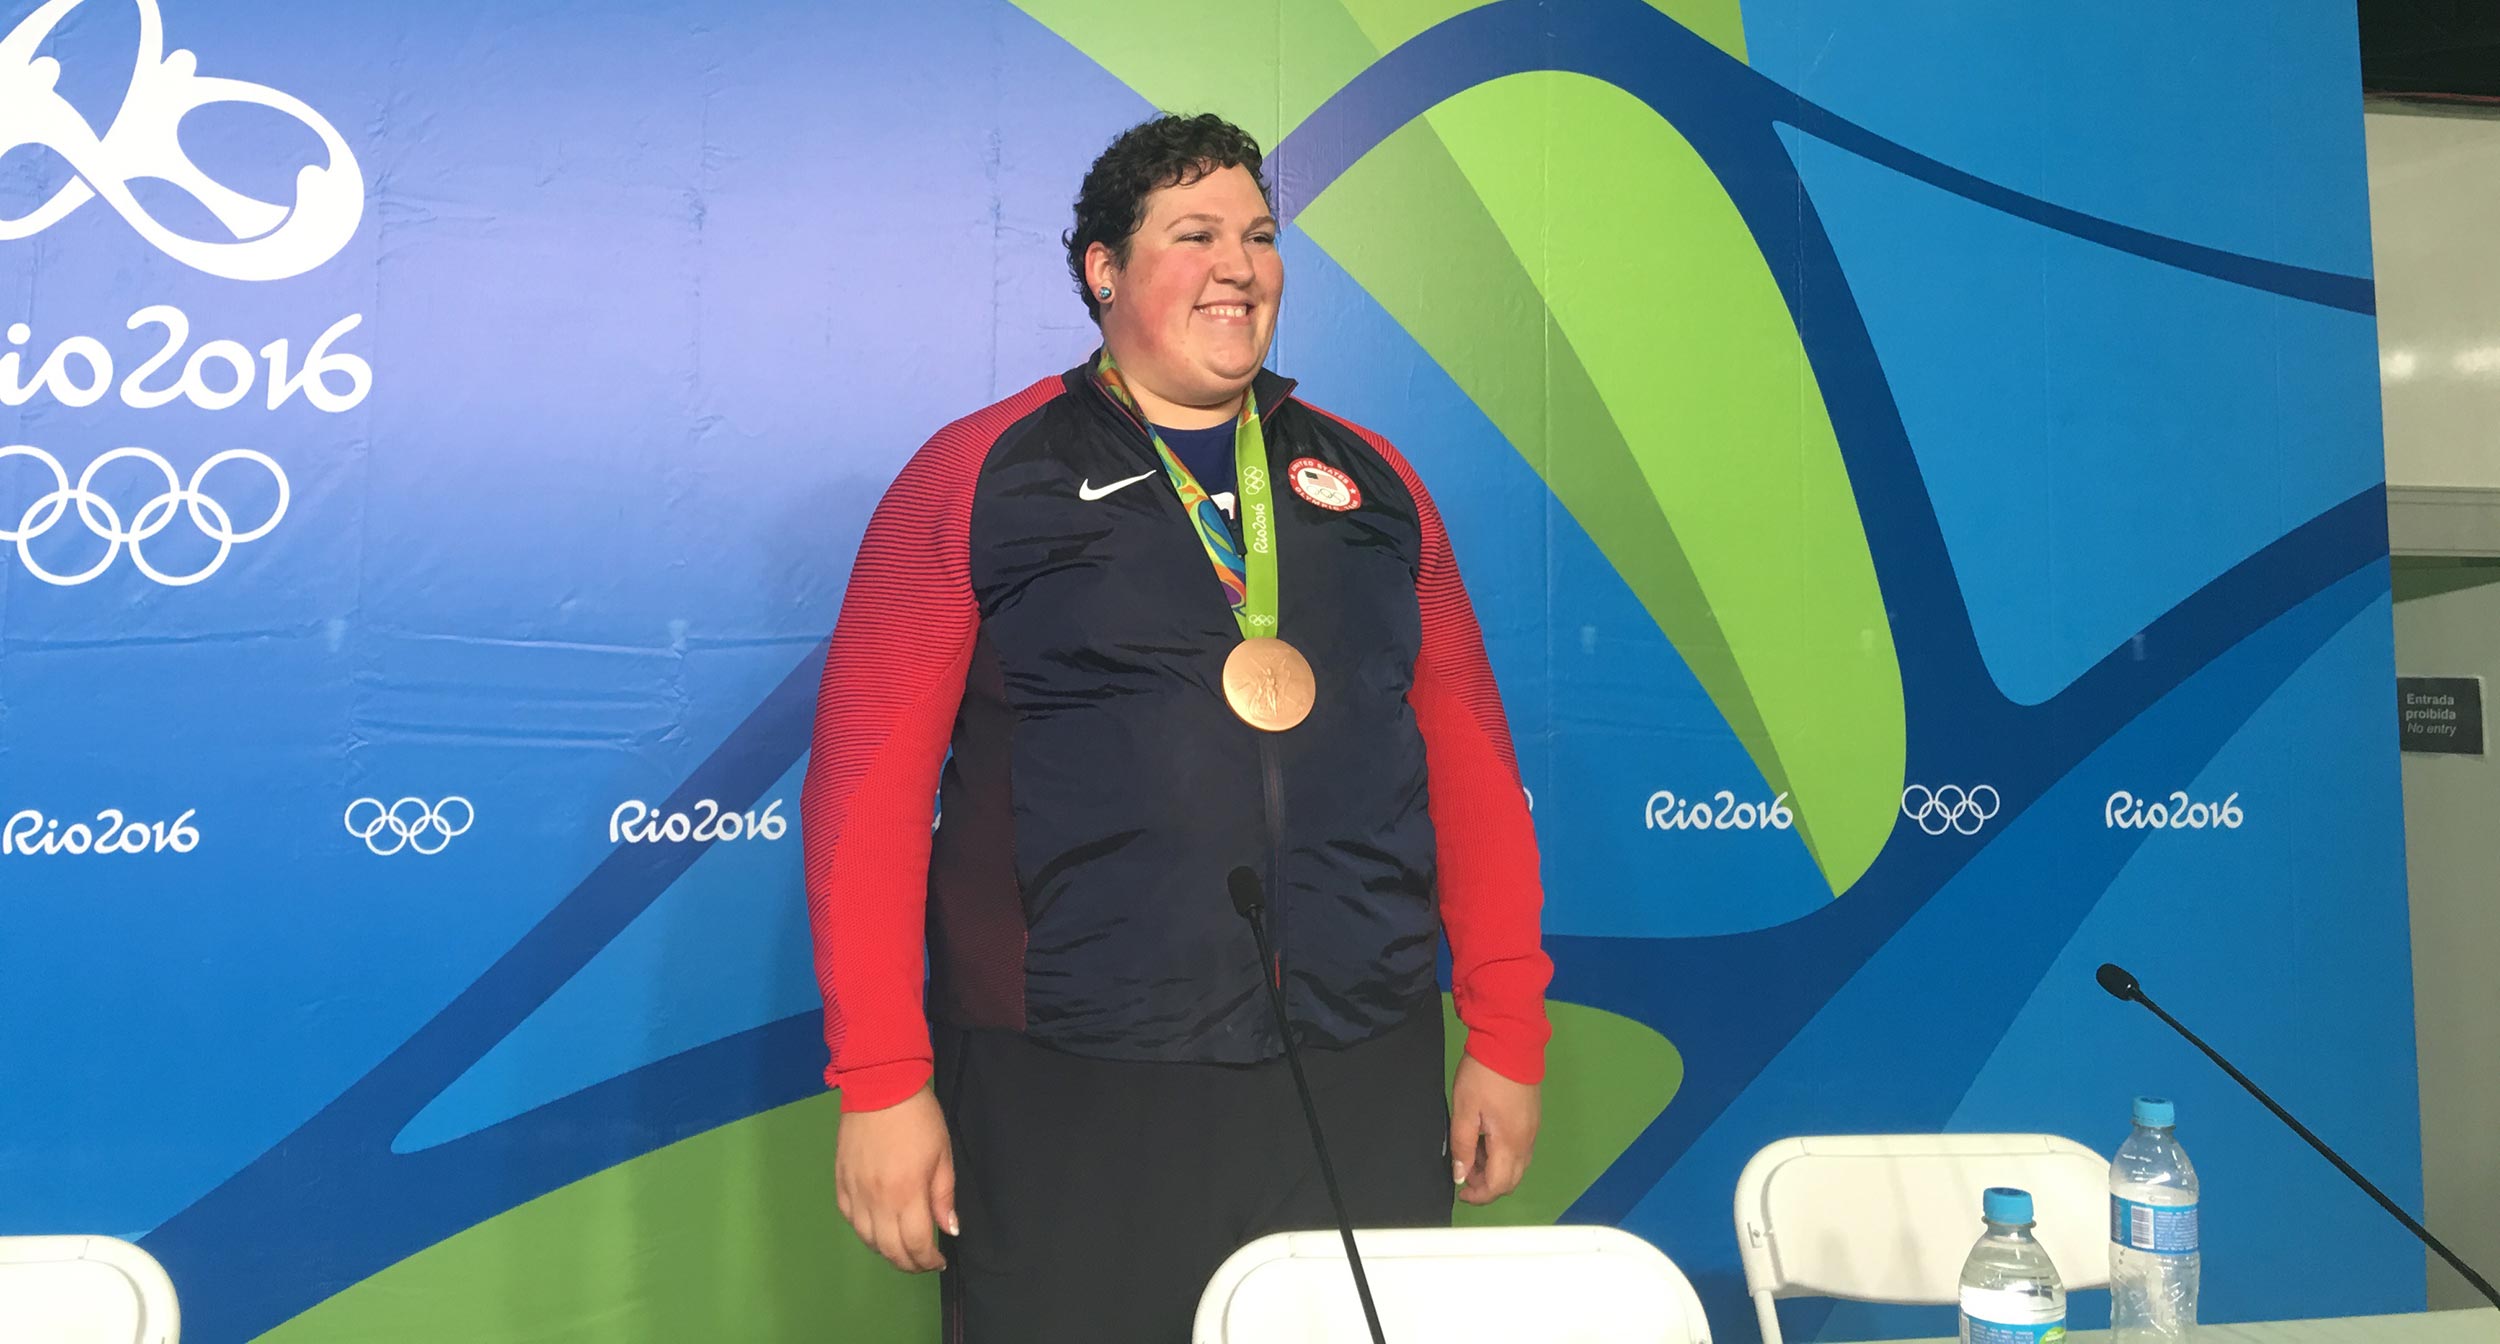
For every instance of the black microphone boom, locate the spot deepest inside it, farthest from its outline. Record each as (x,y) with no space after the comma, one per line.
(2123,987)
(1243,884)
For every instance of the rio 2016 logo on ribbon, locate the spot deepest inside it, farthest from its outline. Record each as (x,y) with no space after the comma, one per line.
(271,241)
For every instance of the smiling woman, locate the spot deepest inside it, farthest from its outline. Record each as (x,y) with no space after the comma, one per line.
(1187,294)
(1086,1111)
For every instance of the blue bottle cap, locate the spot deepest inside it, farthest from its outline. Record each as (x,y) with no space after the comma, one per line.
(2155,1112)
(2004,1204)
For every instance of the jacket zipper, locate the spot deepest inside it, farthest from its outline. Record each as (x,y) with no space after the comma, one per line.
(1274,813)
(1272,787)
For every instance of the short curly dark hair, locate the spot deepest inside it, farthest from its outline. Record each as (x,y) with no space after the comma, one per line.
(1168,151)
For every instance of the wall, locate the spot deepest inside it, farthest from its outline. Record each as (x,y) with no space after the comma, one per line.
(1920,480)
(2434,190)
(2448,625)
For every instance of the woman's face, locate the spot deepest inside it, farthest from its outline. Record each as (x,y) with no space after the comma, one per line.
(1192,312)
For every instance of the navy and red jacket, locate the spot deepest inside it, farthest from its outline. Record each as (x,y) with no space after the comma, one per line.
(1042,647)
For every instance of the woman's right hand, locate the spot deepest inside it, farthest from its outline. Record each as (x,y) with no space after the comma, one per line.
(894,1179)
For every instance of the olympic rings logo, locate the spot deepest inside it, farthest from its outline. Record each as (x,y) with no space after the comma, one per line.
(410,824)
(1950,807)
(152,517)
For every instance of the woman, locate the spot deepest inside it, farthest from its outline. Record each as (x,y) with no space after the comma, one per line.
(1140,625)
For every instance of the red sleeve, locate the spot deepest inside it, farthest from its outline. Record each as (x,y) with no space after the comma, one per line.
(1489,888)
(894,676)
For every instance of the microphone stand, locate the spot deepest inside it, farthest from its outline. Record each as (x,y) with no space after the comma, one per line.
(2123,987)
(1247,902)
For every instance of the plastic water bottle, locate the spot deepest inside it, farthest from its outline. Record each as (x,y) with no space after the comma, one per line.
(2010,1291)
(2152,1232)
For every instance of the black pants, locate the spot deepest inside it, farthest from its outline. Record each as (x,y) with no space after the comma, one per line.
(1097,1197)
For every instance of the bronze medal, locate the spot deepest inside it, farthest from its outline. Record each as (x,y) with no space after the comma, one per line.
(1269,684)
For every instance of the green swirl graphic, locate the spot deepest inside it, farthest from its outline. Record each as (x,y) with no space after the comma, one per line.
(1577,269)
(739,1225)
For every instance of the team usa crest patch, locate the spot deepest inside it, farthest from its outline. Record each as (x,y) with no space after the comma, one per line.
(1324,485)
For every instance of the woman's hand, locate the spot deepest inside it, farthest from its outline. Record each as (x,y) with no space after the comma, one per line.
(1493,1124)
(894,1179)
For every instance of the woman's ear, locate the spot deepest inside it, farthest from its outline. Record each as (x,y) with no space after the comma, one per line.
(1102,270)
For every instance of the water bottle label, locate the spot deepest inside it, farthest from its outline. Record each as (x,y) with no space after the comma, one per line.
(2162,1229)
(1990,1332)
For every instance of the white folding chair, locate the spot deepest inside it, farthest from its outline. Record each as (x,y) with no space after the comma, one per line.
(1891,1217)
(1492,1285)
(84,1290)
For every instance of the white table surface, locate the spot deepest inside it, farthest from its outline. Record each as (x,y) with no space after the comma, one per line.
(2481,1326)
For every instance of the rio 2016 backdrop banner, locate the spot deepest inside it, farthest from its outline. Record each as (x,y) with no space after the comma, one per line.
(1919,476)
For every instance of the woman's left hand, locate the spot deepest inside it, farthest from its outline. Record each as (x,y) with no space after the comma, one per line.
(1493,1124)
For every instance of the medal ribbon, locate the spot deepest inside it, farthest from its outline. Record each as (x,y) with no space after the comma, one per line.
(1248,571)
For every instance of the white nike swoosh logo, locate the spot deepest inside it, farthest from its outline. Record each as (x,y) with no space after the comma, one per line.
(1085,489)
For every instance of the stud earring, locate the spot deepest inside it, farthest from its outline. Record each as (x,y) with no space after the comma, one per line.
(1103,293)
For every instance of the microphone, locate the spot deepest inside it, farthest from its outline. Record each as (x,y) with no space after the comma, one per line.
(1244,886)
(1249,902)
(2123,987)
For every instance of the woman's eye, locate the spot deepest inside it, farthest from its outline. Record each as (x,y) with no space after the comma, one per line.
(1267,238)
